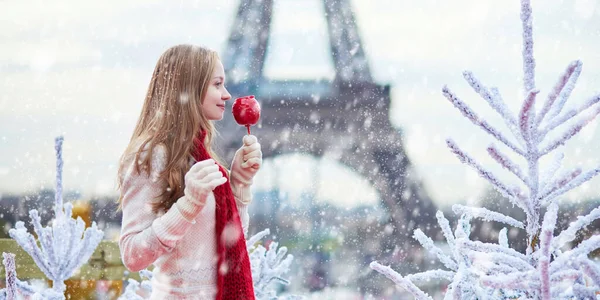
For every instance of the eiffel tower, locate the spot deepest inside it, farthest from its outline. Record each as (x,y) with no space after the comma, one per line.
(349,122)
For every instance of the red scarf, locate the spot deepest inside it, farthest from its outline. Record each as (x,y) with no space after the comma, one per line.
(234,276)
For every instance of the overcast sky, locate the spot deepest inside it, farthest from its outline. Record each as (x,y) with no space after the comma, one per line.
(81,69)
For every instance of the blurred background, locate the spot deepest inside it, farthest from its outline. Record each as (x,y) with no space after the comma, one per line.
(353,162)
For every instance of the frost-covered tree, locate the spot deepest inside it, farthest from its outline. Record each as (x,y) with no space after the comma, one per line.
(66,244)
(15,287)
(547,269)
(133,286)
(268,266)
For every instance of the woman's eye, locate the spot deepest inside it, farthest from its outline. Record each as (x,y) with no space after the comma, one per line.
(218,84)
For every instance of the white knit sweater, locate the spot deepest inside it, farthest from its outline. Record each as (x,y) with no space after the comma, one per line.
(182,252)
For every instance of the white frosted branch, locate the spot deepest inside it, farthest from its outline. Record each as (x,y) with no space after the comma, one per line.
(528,59)
(27,242)
(557,121)
(470,114)
(400,281)
(58,199)
(561,276)
(571,132)
(549,173)
(486,215)
(502,260)
(430,275)
(545,248)
(565,93)
(494,99)
(489,176)
(527,115)
(506,162)
(428,244)
(44,236)
(572,184)
(568,257)
(503,238)
(558,88)
(591,269)
(445,226)
(8,259)
(517,280)
(257,237)
(570,233)
(493,248)
(582,292)
(560,182)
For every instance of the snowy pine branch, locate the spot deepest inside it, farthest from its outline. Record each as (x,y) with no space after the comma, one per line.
(486,215)
(528,59)
(558,88)
(268,265)
(507,192)
(569,115)
(445,226)
(494,99)
(10,292)
(428,244)
(527,116)
(546,249)
(400,281)
(470,114)
(570,233)
(507,163)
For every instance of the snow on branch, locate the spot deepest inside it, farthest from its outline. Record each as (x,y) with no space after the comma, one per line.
(10,292)
(400,281)
(470,114)
(528,59)
(570,233)
(428,244)
(503,238)
(430,275)
(569,115)
(566,91)
(494,99)
(506,162)
(569,133)
(560,182)
(445,226)
(527,115)
(545,242)
(579,180)
(489,176)
(268,265)
(558,88)
(486,215)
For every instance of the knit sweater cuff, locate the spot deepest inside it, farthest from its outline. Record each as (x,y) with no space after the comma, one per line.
(242,193)
(171,227)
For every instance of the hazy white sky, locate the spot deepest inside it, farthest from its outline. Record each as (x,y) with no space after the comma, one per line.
(81,69)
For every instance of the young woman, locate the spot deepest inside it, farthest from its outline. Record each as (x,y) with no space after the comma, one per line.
(183,211)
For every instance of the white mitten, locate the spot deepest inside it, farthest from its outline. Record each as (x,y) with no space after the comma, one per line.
(202,178)
(246,162)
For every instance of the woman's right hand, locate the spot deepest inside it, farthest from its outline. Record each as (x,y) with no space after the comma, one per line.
(202,178)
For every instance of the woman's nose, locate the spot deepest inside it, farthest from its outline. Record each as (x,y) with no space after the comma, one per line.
(226,96)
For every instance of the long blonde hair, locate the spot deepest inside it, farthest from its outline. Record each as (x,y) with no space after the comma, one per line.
(172,116)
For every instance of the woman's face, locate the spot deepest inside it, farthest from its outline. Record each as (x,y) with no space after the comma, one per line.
(213,105)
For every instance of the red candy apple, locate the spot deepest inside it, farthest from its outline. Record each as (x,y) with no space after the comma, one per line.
(246,111)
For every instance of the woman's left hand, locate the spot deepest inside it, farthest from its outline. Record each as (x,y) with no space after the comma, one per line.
(246,162)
